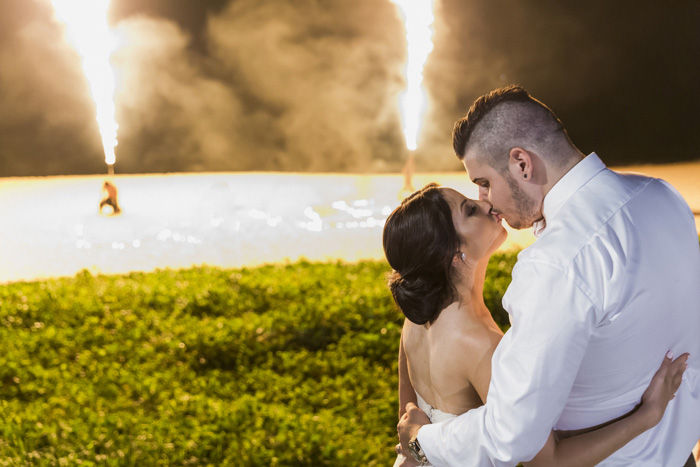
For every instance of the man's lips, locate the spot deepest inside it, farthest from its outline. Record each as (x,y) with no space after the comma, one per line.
(497,216)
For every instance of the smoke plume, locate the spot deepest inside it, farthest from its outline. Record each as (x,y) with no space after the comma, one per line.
(222,85)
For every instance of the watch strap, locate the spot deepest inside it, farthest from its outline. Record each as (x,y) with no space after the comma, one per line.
(417,451)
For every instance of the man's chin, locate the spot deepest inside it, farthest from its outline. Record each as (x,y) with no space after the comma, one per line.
(520,225)
(515,225)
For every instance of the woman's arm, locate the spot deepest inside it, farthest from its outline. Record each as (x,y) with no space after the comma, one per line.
(406,392)
(589,449)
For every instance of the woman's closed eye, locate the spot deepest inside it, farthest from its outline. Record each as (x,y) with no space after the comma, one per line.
(468,207)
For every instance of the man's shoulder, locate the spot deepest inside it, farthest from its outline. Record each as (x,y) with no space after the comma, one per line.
(600,228)
(588,217)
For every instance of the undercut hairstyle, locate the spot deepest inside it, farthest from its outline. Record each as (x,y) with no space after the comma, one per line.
(506,118)
(419,242)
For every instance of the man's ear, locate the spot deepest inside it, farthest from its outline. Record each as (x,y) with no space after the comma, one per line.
(520,163)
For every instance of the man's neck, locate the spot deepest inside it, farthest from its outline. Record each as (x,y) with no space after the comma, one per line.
(554,174)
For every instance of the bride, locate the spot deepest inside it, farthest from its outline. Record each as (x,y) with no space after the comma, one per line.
(439,242)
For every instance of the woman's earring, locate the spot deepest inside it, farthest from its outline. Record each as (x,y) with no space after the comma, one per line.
(525,176)
(463,256)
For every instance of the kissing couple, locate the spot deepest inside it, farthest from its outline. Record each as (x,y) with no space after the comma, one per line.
(599,305)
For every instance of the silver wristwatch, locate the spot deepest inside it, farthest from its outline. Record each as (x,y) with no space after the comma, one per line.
(417,451)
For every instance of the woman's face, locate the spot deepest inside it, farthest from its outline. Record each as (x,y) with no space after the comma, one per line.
(480,232)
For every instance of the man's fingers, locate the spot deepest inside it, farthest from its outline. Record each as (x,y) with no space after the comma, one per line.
(415,414)
(410,423)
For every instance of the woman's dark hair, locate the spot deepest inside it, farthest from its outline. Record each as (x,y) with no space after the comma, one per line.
(420,241)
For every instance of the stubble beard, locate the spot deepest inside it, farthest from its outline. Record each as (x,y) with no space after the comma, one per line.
(525,205)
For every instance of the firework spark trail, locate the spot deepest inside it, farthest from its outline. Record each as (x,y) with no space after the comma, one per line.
(87,30)
(418,18)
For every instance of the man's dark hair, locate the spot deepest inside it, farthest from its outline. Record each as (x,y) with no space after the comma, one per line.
(505,118)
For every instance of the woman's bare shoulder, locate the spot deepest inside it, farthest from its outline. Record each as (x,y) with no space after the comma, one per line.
(469,332)
(468,339)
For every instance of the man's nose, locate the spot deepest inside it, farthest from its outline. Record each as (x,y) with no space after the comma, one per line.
(484,206)
(483,193)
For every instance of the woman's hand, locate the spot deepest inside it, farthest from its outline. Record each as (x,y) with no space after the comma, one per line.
(662,388)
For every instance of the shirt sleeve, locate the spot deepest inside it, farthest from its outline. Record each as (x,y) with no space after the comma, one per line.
(533,371)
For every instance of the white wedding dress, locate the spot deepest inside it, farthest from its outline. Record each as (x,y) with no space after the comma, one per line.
(435,416)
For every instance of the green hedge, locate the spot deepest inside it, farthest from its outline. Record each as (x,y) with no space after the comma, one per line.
(289,365)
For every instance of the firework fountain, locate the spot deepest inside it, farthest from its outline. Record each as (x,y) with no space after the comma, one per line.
(87,30)
(418,19)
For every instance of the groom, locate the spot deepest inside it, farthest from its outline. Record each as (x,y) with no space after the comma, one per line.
(611,283)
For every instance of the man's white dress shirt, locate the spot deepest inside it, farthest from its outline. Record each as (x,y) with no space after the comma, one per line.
(609,286)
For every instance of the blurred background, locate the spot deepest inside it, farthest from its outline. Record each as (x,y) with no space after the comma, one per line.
(280,125)
(269,131)
(313,86)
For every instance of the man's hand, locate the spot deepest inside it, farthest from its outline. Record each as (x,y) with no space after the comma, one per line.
(408,426)
(405,461)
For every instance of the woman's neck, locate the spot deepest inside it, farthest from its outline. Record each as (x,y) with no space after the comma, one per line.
(471,286)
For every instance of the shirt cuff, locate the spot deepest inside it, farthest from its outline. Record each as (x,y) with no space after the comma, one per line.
(429,439)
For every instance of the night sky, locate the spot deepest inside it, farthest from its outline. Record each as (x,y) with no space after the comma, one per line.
(313,86)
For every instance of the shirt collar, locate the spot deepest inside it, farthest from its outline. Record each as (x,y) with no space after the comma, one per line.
(569,184)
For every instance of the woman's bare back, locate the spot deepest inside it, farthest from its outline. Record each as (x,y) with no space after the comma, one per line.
(449,362)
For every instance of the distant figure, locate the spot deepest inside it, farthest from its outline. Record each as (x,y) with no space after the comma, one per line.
(111,198)
(408,170)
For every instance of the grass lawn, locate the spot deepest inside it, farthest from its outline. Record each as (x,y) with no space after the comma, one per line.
(288,365)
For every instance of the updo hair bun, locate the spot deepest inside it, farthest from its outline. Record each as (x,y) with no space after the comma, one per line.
(420,299)
(419,242)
